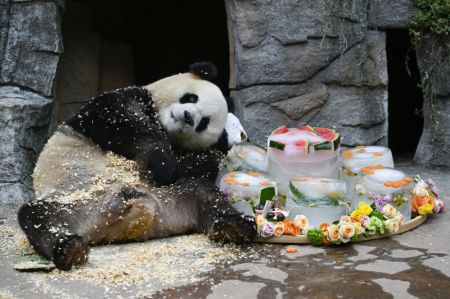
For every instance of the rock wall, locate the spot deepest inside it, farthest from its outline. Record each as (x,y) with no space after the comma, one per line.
(433,58)
(316,62)
(30,43)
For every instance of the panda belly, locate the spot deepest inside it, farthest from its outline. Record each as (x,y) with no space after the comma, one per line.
(68,163)
(100,197)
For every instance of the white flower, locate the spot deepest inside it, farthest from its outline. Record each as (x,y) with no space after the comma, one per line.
(333,234)
(399,218)
(389,211)
(260,220)
(301,222)
(346,231)
(359,229)
(345,218)
(278,229)
(392,226)
(421,188)
(359,188)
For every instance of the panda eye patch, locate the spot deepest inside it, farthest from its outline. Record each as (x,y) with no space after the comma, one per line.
(203,124)
(189,98)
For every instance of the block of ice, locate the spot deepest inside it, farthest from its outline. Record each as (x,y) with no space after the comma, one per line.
(246,156)
(302,151)
(382,185)
(362,156)
(319,199)
(244,189)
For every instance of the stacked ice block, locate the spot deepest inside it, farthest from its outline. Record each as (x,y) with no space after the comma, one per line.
(302,151)
(245,188)
(321,200)
(381,185)
(353,160)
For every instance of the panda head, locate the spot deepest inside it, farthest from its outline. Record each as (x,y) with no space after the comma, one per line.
(192,110)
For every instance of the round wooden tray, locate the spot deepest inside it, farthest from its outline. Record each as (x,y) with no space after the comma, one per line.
(407,226)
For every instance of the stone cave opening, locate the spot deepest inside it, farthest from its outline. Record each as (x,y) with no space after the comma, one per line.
(405,98)
(112,43)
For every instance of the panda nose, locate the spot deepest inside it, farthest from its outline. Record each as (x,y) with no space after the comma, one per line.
(188,118)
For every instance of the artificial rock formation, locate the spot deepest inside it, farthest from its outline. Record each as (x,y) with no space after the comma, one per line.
(295,62)
(30,43)
(433,57)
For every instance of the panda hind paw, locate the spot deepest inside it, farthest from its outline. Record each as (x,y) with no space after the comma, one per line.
(69,251)
(234,228)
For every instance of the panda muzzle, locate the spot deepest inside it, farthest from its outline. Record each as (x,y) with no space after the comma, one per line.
(188,118)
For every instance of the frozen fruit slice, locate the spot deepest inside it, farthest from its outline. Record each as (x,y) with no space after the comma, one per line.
(330,136)
(307,128)
(277,145)
(281,130)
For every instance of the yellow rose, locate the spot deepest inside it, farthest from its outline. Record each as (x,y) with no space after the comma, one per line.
(425,209)
(392,226)
(347,230)
(301,221)
(364,208)
(279,229)
(356,214)
(333,233)
(389,210)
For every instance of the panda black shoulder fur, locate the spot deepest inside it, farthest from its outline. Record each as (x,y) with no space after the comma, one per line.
(134,164)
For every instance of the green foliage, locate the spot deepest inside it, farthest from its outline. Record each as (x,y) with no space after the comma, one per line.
(433,16)
(315,236)
(299,197)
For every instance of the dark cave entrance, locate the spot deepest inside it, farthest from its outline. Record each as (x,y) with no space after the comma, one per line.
(405,96)
(166,36)
(110,44)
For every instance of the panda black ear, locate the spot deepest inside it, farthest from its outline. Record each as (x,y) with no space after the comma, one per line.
(204,69)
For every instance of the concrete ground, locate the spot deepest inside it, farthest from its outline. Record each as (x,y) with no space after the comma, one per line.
(415,264)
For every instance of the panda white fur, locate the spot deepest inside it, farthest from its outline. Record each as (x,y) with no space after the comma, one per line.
(134,164)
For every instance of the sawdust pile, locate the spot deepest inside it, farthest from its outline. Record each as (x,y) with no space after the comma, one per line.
(6,295)
(13,241)
(179,260)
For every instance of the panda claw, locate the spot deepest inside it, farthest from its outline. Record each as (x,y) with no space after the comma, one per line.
(69,251)
(234,228)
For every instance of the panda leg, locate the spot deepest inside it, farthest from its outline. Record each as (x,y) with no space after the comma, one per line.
(63,233)
(43,223)
(221,221)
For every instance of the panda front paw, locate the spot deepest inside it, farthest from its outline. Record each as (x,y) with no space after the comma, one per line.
(233,227)
(69,251)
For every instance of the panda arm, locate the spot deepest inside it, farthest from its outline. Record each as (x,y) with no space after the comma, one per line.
(126,122)
(203,164)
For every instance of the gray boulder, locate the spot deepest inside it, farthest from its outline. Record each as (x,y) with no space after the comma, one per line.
(24,118)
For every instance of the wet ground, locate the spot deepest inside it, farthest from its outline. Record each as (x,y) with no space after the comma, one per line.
(415,264)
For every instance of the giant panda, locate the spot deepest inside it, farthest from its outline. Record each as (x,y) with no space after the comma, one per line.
(134,164)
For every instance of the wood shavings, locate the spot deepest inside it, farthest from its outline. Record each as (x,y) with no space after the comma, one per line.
(6,295)
(13,241)
(182,259)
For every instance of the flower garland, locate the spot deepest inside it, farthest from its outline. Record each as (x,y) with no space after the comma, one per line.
(364,220)
(379,217)
(268,228)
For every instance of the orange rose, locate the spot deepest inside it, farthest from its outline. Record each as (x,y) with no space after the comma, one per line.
(279,229)
(290,228)
(418,201)
(324,226)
